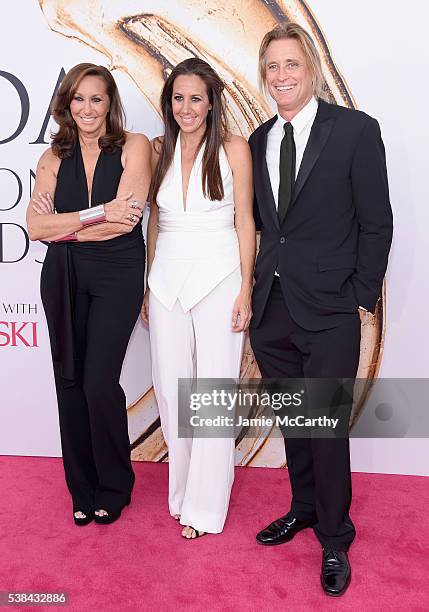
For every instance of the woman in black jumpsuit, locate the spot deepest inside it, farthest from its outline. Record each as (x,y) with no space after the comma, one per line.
(92,281)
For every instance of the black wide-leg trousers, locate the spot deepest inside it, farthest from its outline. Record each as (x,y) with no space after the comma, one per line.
(107,297)
(319,468)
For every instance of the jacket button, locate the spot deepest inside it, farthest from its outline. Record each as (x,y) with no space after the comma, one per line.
(282,240)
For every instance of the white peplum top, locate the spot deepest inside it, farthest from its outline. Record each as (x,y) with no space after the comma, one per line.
(198,247)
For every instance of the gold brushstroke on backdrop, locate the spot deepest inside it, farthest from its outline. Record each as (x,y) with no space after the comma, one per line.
(145,39)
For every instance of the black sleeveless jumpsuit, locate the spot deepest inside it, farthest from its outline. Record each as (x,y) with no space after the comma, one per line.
(92,293)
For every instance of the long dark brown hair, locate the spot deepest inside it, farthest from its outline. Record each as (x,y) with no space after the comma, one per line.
(214,136)
(64,140)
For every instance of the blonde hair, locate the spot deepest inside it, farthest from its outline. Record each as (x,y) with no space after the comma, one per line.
(294,31)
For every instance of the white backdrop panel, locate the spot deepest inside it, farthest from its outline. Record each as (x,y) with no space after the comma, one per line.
(381,53)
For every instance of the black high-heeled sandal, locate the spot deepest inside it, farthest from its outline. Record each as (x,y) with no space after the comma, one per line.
(198,534)
(110,517)
(81,522)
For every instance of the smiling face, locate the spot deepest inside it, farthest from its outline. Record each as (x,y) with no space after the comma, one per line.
(190,103)
(288,76)
(90,105)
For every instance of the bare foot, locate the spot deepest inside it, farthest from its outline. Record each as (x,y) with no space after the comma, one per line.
(101,512)
(79,515)
(190,533)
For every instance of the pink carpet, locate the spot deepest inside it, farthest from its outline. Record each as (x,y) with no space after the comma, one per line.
(142,563)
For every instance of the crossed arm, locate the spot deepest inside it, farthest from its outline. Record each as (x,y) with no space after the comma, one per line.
(43,224)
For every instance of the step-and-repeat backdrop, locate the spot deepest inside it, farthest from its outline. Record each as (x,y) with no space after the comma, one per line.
(370,60)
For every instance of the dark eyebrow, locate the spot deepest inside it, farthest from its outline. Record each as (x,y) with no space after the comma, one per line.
(178,93)
(77,93)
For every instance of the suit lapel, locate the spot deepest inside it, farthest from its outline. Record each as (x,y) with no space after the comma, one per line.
(319,135)
(263,168)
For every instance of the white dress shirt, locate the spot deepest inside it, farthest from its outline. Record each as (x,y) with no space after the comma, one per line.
(302,124)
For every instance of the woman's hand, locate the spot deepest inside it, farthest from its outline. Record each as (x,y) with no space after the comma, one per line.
(242,311)
(144,312)
(366,317)
(43,204)
(124,209)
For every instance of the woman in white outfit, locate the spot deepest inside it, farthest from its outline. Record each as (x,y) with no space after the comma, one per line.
(201,251)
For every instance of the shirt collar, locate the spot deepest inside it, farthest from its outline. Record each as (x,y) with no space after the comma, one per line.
(302,118)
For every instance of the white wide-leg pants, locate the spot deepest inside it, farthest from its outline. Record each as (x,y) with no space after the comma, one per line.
(198,343)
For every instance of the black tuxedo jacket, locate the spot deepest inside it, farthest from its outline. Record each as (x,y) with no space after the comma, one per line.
(331,249)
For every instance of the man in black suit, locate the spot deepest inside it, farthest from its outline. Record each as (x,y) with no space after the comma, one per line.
(322,205)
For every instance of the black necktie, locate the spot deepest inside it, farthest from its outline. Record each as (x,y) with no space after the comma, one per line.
(287,171)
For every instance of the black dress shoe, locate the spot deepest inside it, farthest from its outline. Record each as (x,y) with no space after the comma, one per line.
(282,530)
(336,572)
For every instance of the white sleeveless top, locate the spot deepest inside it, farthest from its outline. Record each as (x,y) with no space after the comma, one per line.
(198,247)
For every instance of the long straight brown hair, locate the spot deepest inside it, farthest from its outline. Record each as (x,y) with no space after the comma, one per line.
(214,136)
(66,136)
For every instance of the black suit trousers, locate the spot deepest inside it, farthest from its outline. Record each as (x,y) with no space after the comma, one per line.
(319,468)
